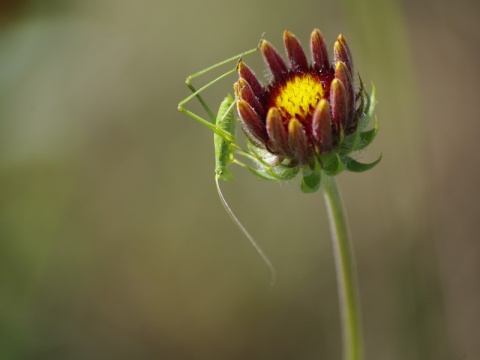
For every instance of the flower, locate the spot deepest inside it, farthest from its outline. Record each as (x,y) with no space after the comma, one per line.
(308,111)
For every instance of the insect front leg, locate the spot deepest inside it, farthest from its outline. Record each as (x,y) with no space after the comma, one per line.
(197,93)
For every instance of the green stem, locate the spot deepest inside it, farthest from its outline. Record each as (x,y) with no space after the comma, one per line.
(346,276)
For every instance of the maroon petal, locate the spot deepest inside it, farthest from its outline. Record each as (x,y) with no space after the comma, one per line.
(252,121)
(318,49)
(274,60)
(341,52)
(296,56)
(322,127)
(277,132)
(246,73)
(343,74)
(244,91)
(338,104)
(297,140)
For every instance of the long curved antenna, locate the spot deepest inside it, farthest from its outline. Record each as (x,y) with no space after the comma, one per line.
(273,273)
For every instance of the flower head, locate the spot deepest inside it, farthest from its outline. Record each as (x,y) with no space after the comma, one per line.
(309,109)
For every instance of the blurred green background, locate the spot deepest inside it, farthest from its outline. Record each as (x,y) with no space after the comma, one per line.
(114,245)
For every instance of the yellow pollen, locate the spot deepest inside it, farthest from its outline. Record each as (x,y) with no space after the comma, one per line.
(299,96)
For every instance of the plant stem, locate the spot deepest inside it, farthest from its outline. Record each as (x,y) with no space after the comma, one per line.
(346,275)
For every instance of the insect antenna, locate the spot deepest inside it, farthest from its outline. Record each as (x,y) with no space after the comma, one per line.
(266,260)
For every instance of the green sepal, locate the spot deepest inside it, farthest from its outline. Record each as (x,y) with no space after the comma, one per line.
(355,166)
(372,102)
(260,152)
(274,175)
(286,172)
(332,164)
(269,165)
(364,99)
(263,174)
(367,106)
(365,137)
(350,143)
(311,178)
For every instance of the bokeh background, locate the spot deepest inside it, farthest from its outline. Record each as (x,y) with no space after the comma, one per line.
(114,245)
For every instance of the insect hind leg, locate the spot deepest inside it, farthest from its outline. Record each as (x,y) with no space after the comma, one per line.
(196,93)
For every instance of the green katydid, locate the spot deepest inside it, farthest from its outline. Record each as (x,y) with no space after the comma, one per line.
(224,125)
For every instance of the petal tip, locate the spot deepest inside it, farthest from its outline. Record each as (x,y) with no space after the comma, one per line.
(296,55)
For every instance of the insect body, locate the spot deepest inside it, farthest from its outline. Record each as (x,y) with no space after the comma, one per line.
(224,149)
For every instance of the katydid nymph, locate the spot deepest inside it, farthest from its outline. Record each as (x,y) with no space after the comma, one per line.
(223,126)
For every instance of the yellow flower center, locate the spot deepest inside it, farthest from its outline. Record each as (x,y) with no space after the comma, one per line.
(299,96)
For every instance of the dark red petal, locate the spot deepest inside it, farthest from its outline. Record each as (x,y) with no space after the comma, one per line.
(244,91)
(343,74)
(322,127)
(297,140)
(246,73)
(296,56)
(341,52)
(252,121)
(274,60)
(338,104)
(277,132)
(318,49)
